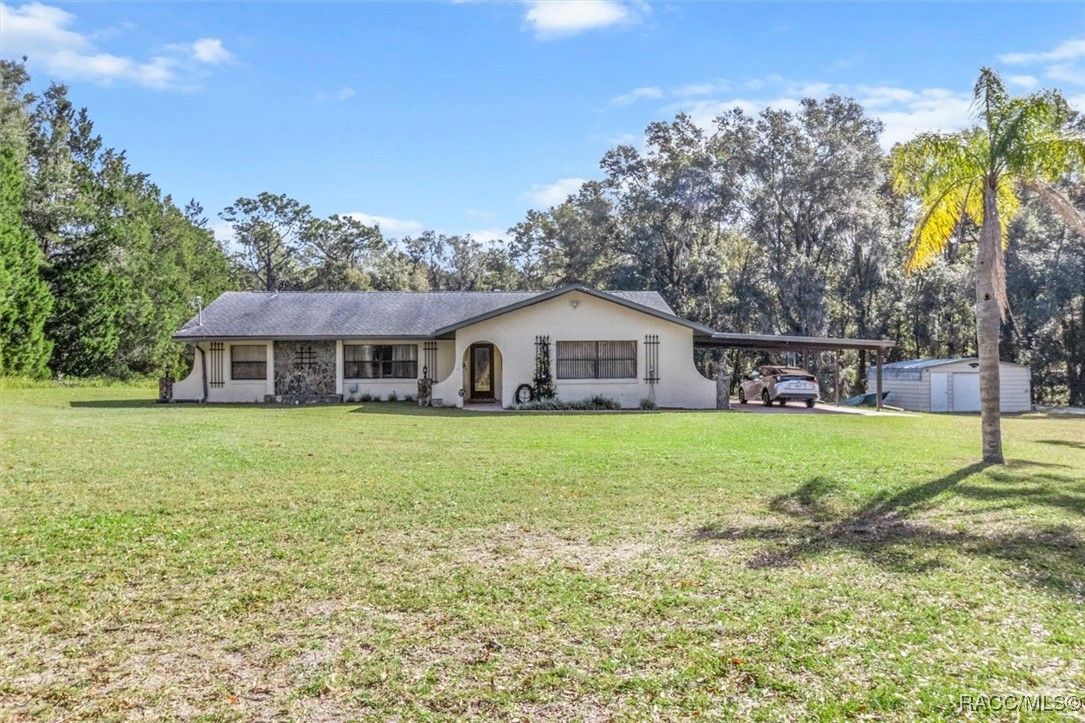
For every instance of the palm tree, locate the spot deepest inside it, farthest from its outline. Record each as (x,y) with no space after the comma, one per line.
(977,175)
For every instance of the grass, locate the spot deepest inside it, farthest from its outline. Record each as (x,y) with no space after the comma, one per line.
(377,560)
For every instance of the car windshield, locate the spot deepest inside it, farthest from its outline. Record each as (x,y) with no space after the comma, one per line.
(794,378)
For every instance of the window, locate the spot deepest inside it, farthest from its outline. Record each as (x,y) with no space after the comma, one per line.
(597,359)
(372,361)
(248,361)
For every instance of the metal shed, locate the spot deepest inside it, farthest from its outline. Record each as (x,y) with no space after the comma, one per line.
(952,385)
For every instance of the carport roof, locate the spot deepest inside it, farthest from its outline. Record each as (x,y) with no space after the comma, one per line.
(781,342)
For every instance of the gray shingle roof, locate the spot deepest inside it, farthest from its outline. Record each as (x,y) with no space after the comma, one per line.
(358,314)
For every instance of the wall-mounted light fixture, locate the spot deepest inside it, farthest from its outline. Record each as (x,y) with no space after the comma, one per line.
(574,303)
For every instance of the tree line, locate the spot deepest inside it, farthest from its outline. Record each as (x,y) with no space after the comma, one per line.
(781,222)
(97,266)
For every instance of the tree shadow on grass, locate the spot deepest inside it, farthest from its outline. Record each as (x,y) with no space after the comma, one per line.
(883,531)
(113,403)
(1063,443)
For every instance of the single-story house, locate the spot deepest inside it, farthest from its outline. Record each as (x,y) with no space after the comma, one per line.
(951,385)
(474,347)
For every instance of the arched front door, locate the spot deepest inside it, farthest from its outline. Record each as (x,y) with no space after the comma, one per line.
(481,373)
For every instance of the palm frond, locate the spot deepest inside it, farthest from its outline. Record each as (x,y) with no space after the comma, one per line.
(1048,157)
(1025,121)
(988,98)
(1063,206)
(944,171)
(940,217)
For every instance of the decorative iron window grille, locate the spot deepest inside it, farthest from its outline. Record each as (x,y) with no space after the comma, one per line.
(544,380)
(429,353)
(305,357)
(384,361)
(217,352)
(651,358)
(597,360)
(248,361)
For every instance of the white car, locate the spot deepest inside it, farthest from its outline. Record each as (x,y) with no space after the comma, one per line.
(779,384)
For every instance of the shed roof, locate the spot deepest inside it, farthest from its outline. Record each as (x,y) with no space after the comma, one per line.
(921,364)
(377,314)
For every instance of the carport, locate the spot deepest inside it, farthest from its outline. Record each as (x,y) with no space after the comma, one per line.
(804,345)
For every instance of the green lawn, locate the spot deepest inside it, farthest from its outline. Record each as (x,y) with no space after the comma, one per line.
(366,561)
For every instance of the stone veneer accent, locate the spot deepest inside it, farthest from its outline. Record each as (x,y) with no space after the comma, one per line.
(299,373)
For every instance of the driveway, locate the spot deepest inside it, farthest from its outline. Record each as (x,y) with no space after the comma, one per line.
(800,408)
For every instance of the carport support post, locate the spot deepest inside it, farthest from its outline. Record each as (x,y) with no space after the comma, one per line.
(836,377)
(878,389)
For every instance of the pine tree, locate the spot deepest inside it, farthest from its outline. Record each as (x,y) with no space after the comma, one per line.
(25,301)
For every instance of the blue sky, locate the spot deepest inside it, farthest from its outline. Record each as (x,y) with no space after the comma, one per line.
(460,116)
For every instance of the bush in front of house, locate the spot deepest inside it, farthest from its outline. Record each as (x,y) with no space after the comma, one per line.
(590,404)
(393,396)
(647,403)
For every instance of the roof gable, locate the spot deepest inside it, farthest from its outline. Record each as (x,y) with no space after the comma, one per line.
(628,299)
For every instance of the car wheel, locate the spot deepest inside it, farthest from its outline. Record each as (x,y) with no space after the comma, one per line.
(782,401)
(809,403)
(765,398)
(741,396)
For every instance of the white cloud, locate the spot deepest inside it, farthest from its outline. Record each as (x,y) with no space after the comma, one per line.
(904,112)
(1066,73)
(1061,64)
(1025,81)
(1066,50)
(37,27)
(210,51)
(44,34)
(488,235)
(703,112)
(561,18)
(842,64)
(647,93)
(924,115)
(709,88)
(624,139)
(344,93)
(224,232)
(881,95)
(388,225)
(159,73)
(552,194)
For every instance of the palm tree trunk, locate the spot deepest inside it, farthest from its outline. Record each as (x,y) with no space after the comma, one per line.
(988,320)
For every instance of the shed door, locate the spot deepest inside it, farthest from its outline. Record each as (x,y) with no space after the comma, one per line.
(939,392)
(966,392)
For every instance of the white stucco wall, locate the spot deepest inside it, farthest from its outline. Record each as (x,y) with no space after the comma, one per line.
(190,389)
(353,389)
(591,319)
